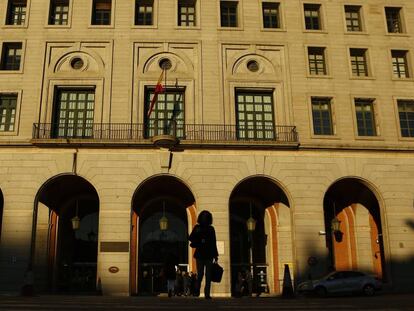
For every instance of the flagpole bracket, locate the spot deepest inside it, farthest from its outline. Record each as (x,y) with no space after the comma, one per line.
(165,141)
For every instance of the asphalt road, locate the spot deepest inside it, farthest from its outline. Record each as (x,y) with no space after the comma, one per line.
(63,303)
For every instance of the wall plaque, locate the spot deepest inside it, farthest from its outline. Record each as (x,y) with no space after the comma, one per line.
(115,247)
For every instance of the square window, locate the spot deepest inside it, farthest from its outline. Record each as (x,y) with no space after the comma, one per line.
(16,12)
(228,13)
(144,12)
(270,11)
(312,14)
(400,64)
(393,16)
(406,115)
(353,18)
(364,109)
(186,13)
(11,56)
(359,62)
(322,116)
(317,62)
(101,12)
(8,105)
(59,12)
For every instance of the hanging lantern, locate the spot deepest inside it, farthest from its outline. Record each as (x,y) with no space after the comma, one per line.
(76,220)
(75,223)
(163,220)
(251,222)
(335,225)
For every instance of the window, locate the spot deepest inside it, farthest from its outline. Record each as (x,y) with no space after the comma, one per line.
(393,17)
(364,109)
(8,103)
(144,12)
(254,110)
(359,62)
(406,114)
(353,18)
(228,13)
(400,64)
(11,56)
(16,12)
(59,12)
(74,113)
(271,17)
(167,116)
(186,12)
(312,16)
(322,116)
(101,12)
(317,63)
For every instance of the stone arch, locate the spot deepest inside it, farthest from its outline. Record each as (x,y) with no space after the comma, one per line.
(93,63)
(263,250)
(180,63)
(157,197)
(358,244)
(64,254)
(239,65)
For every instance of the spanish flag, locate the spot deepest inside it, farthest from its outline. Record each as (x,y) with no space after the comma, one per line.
(158,89)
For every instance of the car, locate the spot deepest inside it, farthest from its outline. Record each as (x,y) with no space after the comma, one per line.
(341,282)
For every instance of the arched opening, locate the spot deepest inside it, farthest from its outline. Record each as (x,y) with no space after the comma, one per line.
(258,254)
(163,212)
(1,212)
(66,235)
(356,243)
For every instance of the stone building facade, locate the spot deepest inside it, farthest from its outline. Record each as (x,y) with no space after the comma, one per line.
(291,113)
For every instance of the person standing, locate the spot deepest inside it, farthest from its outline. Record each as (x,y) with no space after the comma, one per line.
(203,239)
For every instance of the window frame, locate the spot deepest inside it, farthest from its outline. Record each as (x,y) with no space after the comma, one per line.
(375,115)
(321,16)
(112,22)
(325,58)
(22,57)
(361,19)
(239,15)
(48,18)
(154,24)
(19,94)
(402,22)
(397,117)
(408,66)
(331,114)
(196,15)
(7,12)
(370,75)
(281,16)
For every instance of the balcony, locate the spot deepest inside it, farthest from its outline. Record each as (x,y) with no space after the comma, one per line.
(188,135)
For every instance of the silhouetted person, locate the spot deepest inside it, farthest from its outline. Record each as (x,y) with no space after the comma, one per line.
(203,239)
(170,272)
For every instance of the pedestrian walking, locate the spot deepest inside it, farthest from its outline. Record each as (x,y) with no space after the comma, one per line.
(203,239)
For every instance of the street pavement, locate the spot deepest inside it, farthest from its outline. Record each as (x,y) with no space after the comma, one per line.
(390,302)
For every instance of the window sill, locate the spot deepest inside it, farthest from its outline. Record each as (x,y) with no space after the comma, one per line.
(7,72)
(358,33)
(369,138)
(315,31)
(332,137)
(14,26)
(101,26)
(273,29)
(58,26)
(8,134)
(405,139)
(402,79)
(319,76)
(187,27)
(361,78)
(230,28)
(144,27)
(397,34)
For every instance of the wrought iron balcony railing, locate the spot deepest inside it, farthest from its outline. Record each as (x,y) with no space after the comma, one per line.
(188,133)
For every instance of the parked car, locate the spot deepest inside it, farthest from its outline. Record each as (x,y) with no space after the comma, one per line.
(341,282)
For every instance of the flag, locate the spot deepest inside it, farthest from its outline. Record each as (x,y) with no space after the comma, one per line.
(158,89)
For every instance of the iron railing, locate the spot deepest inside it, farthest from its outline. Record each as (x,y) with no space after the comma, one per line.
(197,133)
